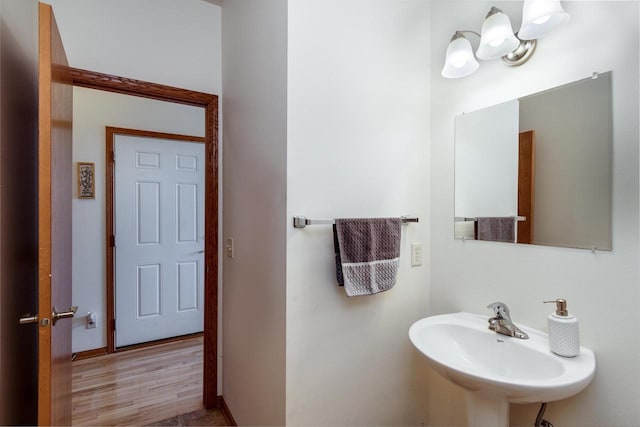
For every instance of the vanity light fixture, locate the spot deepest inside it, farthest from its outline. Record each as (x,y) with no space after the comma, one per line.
(497,39)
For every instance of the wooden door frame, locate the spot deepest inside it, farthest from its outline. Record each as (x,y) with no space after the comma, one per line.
(110,134)
(55,117)
(526,185)
(126,86)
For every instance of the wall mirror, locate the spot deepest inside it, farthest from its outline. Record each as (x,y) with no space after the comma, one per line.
(538,170)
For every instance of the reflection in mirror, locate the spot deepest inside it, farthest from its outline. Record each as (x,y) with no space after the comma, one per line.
(538,170)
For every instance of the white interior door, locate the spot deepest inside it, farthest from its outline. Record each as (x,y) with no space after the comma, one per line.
(159,227)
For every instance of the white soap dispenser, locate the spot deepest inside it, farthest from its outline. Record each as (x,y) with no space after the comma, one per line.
(563,331)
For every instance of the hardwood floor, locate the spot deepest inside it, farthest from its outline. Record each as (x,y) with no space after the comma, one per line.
(138,387)
(202,417)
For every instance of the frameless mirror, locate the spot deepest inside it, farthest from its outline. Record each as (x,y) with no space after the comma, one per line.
(538,170)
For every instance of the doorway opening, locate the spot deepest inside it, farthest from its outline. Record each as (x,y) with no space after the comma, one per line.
(209,271)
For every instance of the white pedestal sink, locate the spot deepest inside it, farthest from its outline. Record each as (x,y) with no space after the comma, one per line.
(495,369)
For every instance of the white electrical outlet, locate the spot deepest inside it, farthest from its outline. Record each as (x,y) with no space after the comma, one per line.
(90,320)
(416,254)
(229,247)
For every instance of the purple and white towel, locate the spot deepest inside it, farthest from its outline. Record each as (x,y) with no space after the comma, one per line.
(368,254)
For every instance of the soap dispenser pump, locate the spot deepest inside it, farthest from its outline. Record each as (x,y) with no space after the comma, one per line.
(563,331)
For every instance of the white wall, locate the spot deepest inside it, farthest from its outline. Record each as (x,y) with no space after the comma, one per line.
(601,288)
(358,146)
(254,34)
(176,43)
(92,111)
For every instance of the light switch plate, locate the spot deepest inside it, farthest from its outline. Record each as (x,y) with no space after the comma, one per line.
(228,246)
(416,254)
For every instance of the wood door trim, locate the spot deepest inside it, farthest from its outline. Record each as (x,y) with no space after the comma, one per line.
(139,88)
(88,354)
(526,185)
(44,212)
(210,353)
(127,86)
(153,134)
(54,205)
(111,133)
(226,412)
(110,244)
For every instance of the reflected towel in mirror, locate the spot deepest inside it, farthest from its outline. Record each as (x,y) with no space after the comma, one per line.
(496,229)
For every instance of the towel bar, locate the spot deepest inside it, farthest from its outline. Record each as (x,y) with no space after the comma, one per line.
(465,219)
(302,222)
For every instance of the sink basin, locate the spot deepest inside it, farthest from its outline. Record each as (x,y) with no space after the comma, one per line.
(462,349)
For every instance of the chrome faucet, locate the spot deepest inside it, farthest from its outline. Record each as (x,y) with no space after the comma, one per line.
(501,321)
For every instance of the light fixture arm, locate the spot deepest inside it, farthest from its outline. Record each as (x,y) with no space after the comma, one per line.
(493,11)
(460,33)
(521,54)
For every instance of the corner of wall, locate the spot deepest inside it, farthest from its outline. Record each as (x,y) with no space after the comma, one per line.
(254,208)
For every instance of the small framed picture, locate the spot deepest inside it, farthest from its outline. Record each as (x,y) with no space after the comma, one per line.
(86,180)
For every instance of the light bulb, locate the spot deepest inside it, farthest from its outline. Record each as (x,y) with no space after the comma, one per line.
(542,19)
(459,59)
(459,64)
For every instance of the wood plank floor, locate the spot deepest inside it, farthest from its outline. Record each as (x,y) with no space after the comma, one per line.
(138,387)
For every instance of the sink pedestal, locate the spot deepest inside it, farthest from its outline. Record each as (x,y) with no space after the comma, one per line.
(482,412)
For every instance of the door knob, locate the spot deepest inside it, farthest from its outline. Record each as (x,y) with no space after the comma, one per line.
(63,314)
(28,318)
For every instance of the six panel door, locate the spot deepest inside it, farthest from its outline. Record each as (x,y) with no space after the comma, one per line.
(159,236)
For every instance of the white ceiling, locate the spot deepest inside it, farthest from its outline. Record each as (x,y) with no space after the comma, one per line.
(216,2)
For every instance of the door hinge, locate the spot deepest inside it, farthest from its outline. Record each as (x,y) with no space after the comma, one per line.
(113,324)
(113,241)
(113,156)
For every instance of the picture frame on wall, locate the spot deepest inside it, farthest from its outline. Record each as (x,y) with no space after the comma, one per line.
(86,180)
